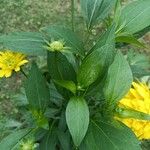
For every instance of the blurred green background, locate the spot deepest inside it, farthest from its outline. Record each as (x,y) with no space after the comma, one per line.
(27,15)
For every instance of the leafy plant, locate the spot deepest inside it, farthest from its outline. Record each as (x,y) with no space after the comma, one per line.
(73,100)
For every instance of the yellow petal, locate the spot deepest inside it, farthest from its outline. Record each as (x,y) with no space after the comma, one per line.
(2,73)
(135,93)
(8,73)
(17,69)
(138,98)
(22,62)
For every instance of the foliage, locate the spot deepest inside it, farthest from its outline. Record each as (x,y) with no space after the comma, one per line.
(71,100)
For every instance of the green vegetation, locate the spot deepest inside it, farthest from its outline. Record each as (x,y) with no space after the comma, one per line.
(84,72)
(24,15)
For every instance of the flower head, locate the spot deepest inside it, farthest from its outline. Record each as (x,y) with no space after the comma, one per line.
(28,145)
(10,61)
(138,98)
(57,46)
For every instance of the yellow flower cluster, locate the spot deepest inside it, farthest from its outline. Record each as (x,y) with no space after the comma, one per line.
(10,61)
(138,99)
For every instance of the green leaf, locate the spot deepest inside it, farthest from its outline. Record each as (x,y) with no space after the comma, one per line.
(55,96)
(135,16)
(106,38)
(142,32)
(49,141)
(64,138)
(68,36)
(95,65)
(138,73)
(130,39)
(118,80)
(95,10)
(52,112)
(39,134)
(140,63)
(13,139)
(125,112)
(70,85)
(77,117)
(62,125)
(40,120)
(138,59)
(20,98)
(117,11)
(36,89)
(30,43)
(59,67)
(106,136)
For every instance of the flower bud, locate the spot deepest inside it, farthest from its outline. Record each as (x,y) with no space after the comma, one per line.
(56,46)
(28,145)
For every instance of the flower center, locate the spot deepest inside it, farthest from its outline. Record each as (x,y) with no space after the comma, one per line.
(9,63)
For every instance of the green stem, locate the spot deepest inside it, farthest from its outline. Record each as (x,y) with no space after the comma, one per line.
(23,73)
(75,148)
(51,126)
(87,38)
(30,131)
(57,67)
(72,14)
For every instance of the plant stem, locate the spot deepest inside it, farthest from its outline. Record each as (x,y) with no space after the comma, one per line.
(75,148)
(51,126)
(23,73)
(72,14)
(88,36)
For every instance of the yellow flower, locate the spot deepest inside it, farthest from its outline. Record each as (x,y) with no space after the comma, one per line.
(138,98)
(10,61)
